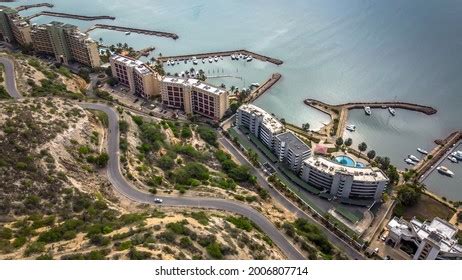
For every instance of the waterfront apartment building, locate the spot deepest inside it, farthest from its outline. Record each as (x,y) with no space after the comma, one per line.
(291,150)
(435,240)
(136,75)
(66,42)
(260,123)
(14,28)
(194,97)
(342,181)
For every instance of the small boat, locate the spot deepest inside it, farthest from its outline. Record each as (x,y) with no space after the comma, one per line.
(177,62)
(216,58)
(392,111)
(367,110)
(422,151)
(203,60)
(414,158)
(457,155)
(445,171)
(249,58)
(351,127)
(127,33)
(210,59)
(233,57)
(409,161)
(221,58)
(245,56)
(195,61)
(255,84)
(453,159)
(168,62)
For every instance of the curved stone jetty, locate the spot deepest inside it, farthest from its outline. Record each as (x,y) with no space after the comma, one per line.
(261,57)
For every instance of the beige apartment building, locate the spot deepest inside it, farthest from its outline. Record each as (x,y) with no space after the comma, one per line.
(13,28)
(194,96)
(66,42)
(136,75)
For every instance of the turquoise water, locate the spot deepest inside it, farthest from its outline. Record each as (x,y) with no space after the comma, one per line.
(335,51)
(347,161)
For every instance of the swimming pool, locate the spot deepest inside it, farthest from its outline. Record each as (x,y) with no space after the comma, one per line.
(348,161)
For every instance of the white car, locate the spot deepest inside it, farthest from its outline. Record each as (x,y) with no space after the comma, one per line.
(158,200)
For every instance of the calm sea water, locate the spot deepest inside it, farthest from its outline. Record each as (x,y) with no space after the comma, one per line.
(335,51)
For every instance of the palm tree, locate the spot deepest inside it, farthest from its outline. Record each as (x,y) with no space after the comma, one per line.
(348,142)
(339,141)
(232,88)
(306,126)
(371,154)
(362,147)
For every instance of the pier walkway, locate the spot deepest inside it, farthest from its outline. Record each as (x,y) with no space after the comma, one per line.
(65,15)
(434,158)
(164,59)
(259,91)
(134,30)
(339,112)
(38,5)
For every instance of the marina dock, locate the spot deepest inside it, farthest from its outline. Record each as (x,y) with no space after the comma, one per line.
(340,112)
(134,30)
(259,91)
(439,153)
(164,59)
(38,5)
(65,15)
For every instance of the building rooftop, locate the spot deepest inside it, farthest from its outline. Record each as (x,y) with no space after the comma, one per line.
(438,230)
(359,174)
(139,66)
(293,142)
(269,121)
(194,83)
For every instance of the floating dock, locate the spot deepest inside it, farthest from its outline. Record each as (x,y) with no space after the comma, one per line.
(259,91)
(164,59)
(340,111)
(38,5)
(134,30)
(65,15)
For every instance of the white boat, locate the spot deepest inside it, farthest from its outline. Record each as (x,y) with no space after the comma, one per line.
(233,57)
(249,58)
(210,59)
(255,84)
(457,155)
(203,60)
(414,158)
(216,58)
(453,159)
(351,127)
(422,151)
(445,171)
(409,161)
(367,110)
(127,33)
(392,111)
(221,58)
(168,62)
(195,61)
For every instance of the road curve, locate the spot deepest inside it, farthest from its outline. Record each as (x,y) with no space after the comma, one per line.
(124,187)
(10,80)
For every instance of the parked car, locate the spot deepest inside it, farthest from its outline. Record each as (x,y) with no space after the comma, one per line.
(158,200)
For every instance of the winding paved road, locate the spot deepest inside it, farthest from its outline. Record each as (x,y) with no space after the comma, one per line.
(125,188)
(10,80)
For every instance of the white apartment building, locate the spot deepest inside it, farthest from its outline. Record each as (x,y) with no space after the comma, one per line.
(194,97)
(435,240)
(342,181)
(135,74)
(291,150)
(260,123)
